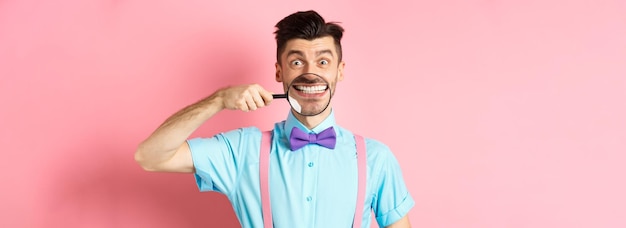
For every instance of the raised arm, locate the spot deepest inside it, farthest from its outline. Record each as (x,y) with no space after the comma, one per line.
(166,150)
(402,223)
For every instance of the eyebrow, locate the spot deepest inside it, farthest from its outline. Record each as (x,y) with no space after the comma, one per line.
(325,51)
(318,53)
(294,52)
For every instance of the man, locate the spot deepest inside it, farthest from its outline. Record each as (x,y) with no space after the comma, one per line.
(311,186)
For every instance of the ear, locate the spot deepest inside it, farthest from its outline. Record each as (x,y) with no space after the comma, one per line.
(342,64)
(279,75)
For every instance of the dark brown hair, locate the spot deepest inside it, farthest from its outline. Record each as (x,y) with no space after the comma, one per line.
(308,25)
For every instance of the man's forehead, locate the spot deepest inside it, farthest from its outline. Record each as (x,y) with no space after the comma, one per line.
(316,46)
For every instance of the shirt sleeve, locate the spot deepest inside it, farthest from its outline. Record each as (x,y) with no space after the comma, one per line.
(392,200)
(217,159)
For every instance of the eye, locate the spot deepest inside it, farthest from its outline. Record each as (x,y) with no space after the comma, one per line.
(324,62)
(296,63)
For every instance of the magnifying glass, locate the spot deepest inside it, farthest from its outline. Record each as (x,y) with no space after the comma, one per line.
(308,94)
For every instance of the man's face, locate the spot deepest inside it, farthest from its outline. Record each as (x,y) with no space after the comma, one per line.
(318,56)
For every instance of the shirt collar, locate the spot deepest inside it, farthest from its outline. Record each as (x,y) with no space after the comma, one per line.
(292,122)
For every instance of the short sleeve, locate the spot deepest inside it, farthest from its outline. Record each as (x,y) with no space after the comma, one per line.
(217,159)
(392,200)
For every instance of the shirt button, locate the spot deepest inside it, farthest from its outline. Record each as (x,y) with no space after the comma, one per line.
(310,164)
(308,198)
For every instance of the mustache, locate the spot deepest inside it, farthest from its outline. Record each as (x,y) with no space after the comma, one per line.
(309,78)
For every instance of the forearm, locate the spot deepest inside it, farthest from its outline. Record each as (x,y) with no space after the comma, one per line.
(163,143)
(165,148)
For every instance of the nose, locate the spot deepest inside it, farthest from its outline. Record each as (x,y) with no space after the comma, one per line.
(307,69)
(311,68)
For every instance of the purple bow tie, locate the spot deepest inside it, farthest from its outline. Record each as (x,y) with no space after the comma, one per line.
(327,138)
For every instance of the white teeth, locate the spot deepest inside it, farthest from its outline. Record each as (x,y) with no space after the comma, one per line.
(312,89)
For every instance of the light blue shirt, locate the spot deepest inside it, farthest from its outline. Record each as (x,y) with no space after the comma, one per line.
(310,187)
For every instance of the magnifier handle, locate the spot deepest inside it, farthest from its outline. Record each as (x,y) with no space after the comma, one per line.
(275,96)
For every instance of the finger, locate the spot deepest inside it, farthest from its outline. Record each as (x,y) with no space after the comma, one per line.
(258,100)
(251,104)
(266,96)
(242,105)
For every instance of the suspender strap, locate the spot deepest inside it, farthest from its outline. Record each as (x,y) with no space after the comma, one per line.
(264,166)
(362,169)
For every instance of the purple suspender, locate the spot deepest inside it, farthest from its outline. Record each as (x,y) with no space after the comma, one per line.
(264,166)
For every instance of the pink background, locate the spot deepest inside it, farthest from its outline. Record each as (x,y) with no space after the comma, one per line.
(501,114)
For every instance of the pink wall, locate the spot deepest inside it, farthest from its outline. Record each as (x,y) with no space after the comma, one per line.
(501,114)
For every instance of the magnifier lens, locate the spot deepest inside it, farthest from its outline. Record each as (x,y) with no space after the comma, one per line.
(309,94)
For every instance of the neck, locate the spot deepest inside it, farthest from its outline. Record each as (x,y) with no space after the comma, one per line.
(311,122)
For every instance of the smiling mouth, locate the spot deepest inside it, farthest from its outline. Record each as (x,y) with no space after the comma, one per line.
(311,89)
